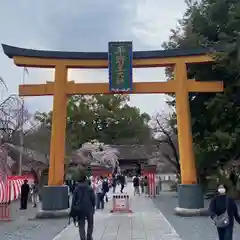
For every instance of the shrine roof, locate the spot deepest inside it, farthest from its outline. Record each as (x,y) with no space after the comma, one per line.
(31,158)
(131,152)
(12,51)
(29,154)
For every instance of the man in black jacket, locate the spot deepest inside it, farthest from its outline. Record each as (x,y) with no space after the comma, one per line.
(84,201)
(25,189)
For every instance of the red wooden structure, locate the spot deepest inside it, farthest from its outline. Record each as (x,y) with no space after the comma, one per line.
(97,171)
(150,172)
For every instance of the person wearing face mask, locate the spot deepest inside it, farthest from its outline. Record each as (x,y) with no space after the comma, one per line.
(223,210)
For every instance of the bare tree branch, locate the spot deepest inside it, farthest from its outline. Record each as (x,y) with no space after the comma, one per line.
(3,83)
(11,119)
(165,134)
(169,140)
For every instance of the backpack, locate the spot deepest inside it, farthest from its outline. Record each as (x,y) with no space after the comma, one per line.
(105,186)
(222,221)
(136,181)
(78,209)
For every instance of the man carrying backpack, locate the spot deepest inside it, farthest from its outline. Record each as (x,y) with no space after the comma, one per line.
(83,207)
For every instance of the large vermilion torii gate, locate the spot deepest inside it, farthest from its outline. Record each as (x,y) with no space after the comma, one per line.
(61,88)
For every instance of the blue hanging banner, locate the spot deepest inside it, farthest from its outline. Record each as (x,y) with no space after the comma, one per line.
(120,57)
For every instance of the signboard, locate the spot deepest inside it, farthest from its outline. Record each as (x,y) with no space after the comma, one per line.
(120,204)
(120,66)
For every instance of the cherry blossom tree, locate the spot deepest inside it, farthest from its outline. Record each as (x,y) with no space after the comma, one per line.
(97,152)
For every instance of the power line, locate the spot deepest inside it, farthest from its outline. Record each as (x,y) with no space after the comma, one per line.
(25,71)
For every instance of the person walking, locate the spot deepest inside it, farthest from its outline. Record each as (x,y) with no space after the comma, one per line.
(136,183)
(34,193)
(100,193)
(142,184)
(105,188)
(122,182)
(223,210)
(83,208)
(159,185)
(146,186)
(114,183)
(25,189)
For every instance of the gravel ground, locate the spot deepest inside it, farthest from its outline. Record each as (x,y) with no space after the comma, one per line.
(189,228)
(24,226)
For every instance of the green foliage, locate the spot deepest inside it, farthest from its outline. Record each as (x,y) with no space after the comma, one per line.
(107,118)
(215,117)
(38,139)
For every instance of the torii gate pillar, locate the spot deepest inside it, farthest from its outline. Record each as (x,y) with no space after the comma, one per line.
(57,153)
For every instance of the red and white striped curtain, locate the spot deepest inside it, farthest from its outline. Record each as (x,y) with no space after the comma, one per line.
(152,184)
(11,189)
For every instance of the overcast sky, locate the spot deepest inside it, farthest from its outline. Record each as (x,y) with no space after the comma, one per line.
(85,25)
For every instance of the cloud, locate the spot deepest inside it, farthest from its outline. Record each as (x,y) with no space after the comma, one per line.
(80,25)
(154,19)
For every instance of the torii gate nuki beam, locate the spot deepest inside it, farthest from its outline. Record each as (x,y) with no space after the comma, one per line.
(61,88)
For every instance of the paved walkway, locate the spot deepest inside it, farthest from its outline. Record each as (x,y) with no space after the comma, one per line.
(24,226)
(189,228)
(145,223)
